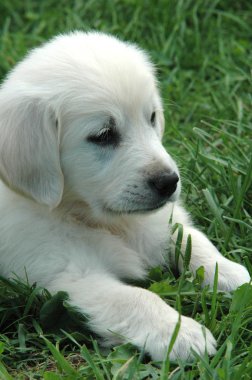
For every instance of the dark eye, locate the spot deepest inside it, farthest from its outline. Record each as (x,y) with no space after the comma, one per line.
(153,118)
(107,135)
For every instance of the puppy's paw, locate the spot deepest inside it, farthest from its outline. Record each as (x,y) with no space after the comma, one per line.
(231,275)
(191,336)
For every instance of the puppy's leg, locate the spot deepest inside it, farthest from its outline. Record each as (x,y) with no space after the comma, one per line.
(121,313)
(230,274)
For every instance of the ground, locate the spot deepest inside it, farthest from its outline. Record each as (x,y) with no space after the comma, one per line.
(202,51)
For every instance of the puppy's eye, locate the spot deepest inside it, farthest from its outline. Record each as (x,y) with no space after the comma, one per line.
(107,135)
(153,118)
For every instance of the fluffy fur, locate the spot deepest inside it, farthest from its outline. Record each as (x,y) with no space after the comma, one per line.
(79,211)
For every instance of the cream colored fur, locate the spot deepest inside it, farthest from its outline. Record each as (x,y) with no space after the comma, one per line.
(74,215)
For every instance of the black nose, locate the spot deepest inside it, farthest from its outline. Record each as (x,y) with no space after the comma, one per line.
(164,183)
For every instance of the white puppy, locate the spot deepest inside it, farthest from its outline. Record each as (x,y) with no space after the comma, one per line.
(88,190)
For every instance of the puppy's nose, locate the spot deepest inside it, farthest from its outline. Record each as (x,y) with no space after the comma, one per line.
(164,184)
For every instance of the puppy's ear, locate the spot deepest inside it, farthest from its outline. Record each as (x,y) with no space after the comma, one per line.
(29,151)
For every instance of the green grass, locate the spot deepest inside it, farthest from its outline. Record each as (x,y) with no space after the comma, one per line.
(203,54)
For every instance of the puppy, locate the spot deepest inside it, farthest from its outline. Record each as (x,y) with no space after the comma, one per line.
(88,190)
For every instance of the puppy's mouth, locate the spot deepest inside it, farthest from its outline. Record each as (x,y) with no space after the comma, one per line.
(134,201)
(135,210)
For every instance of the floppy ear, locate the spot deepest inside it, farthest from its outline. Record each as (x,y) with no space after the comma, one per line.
(29,148)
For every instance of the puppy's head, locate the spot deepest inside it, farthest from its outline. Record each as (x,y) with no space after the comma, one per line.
(81,117)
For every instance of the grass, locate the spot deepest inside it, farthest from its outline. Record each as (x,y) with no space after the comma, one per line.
(203,54)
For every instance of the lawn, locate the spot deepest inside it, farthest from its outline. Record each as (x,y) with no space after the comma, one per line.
(202,50)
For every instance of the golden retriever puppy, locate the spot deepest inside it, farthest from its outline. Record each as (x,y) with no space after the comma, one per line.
(88,190)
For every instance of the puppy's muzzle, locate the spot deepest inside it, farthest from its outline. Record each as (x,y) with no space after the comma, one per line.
(164,184)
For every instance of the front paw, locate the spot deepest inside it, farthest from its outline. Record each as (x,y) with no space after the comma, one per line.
(191,336)
(231,275)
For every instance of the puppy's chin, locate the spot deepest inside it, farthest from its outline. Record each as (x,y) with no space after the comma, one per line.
(137,209)
(132,210)
(102,213)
